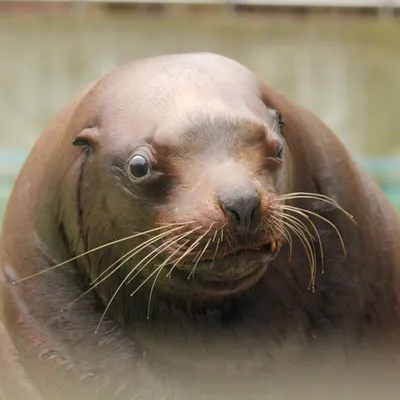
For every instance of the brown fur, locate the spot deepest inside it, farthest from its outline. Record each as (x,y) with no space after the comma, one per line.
(208,336)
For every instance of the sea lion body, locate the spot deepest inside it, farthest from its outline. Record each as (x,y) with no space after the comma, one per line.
(203,132)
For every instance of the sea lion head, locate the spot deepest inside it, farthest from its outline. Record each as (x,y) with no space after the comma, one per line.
(179,154)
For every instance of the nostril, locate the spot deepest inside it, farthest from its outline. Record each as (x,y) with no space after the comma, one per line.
(243,208)
(235,214)
(255,212)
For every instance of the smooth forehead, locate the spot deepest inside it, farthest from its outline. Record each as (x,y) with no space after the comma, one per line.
(158,78)
(176,92)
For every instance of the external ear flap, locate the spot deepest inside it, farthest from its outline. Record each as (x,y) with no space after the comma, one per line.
(87,137)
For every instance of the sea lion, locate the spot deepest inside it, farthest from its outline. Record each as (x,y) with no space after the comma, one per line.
(183,229)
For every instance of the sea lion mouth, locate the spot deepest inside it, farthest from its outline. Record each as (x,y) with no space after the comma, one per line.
(271,247)
(233,264)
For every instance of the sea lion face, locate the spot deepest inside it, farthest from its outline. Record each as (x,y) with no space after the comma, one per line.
(201,176)
(226,190)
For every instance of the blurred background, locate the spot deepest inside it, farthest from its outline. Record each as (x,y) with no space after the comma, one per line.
(339,58)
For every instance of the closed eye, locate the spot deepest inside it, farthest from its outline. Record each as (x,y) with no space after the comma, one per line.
(279,153)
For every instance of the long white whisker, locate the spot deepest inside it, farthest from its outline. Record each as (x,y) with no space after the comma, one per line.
(124,281)
(315,196)
(317,234)
(135,251)
(96,282)
(162,246)
(292,208)
(161,266)
(93,250)
(191,247)
(298,231)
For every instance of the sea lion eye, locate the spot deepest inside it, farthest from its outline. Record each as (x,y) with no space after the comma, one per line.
(281,121)
(278,117)
(139,167)
(279,152)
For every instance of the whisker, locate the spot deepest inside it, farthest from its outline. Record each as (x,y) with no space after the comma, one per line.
(128,276)
(304,230)
(290,241)
(136,250)
(215,254)
(160,268)
(199,258)
(229,233)
(127,257)
(229,242)
(315,196)
(297,229)
(163,247)
(167,224)
(191,247)
(317,234)
(292,208)
(308,195)
(187,251)
(194,259)
(300,224)
(144,282)
(283,231)
(215,235)
(205,248)
(96,249)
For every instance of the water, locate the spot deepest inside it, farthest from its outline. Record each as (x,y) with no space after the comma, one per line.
(346,72)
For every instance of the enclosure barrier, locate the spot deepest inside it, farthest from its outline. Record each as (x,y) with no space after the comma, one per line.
(266,3)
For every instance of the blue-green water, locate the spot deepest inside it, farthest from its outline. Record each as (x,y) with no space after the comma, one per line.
(346,72)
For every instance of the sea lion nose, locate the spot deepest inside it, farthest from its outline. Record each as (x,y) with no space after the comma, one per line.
(244,207)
